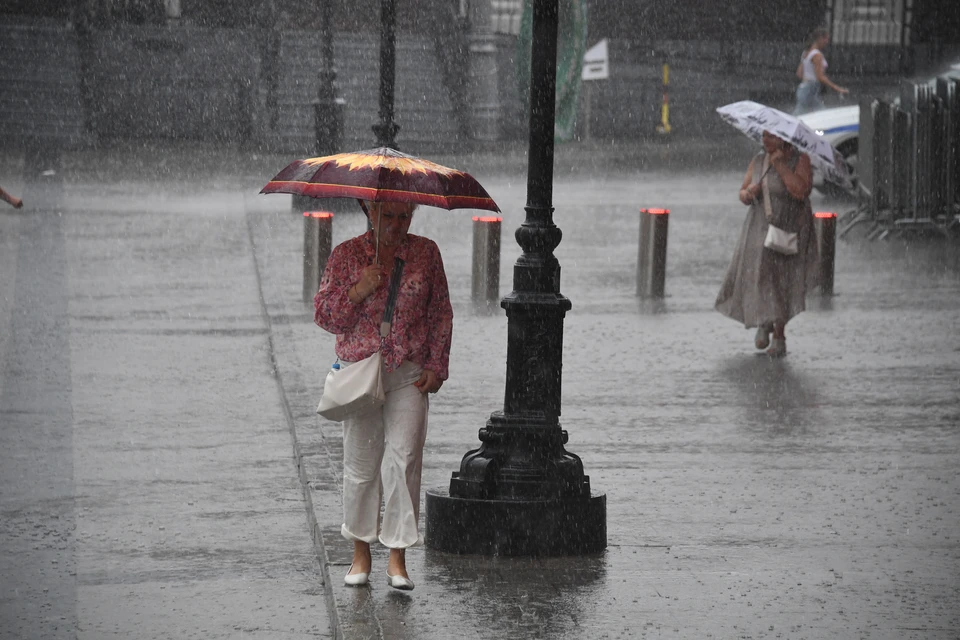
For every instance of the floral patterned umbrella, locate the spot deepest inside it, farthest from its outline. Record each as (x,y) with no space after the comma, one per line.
(382,175)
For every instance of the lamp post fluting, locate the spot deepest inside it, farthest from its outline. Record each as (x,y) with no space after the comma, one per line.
(386,130)
(328,108)
(521,492)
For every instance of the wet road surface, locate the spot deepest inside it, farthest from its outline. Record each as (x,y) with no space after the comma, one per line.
(813,497)
(149,488)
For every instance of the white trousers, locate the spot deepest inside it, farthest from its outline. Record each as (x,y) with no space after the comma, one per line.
(383,460)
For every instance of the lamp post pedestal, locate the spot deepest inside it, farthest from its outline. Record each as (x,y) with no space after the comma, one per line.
(328,117)
(386,133)
(519,494)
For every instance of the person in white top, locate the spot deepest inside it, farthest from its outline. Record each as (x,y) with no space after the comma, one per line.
(812,73)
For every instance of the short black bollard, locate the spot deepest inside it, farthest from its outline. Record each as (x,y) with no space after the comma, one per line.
(652,254)
(317,243)
(825,228)
(486,262)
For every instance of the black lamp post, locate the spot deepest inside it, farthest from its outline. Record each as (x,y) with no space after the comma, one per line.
(328,109)
(521,492)
(386,129)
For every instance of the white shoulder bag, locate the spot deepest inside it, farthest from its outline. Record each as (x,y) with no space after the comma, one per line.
(777,239)
(358,388)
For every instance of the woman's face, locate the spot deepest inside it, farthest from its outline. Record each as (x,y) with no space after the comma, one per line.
(390,221)
(771,142)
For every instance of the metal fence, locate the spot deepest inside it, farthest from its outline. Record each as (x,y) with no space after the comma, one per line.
(910,155)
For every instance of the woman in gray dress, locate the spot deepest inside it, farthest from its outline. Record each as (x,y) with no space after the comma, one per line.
(764,288)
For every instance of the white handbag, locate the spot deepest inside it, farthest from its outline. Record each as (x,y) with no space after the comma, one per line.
(777,239)
(781,241)
(357,388)
(353,389)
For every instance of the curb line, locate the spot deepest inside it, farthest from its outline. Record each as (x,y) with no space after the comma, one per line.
(315,534)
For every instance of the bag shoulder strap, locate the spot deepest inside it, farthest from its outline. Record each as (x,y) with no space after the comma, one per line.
(764,184)
(387,322)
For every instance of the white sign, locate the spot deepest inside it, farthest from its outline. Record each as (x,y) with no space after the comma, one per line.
(595,63)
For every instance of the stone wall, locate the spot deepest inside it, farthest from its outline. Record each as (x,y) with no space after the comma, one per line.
(257,86)
(40,83)
(172,82)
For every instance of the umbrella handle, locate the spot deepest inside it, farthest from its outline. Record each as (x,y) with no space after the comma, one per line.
(376,239)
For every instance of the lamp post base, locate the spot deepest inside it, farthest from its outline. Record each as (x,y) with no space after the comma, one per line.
(572,525)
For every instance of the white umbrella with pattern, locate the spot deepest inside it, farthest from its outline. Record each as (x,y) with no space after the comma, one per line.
(752,119)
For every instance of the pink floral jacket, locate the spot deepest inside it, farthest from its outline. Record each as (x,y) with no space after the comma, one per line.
(422,319)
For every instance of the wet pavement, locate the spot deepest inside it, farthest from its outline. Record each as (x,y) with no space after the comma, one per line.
(148,488)
(152,463)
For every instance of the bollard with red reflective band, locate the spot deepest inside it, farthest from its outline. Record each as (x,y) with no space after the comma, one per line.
(317,243)
(825,231)
(652,254)
(486,262)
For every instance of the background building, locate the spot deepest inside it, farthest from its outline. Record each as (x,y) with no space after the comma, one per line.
(248,71)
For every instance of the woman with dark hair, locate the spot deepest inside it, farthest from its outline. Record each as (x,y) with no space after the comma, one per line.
(764,288)
(812,73)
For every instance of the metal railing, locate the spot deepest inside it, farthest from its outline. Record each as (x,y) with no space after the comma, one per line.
(910,154)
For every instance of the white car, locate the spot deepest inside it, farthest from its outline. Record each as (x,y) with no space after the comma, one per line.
(841,128)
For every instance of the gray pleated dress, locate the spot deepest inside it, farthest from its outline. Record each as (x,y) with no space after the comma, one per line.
(761,285)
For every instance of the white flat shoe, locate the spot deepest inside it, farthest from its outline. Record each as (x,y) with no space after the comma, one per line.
(356,579)
(399,582)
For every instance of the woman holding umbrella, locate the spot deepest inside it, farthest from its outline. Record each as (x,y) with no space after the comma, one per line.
(383,448)
(764,287)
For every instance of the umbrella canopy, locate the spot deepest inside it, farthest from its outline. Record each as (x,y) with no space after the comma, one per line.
(753,118)
(382,175)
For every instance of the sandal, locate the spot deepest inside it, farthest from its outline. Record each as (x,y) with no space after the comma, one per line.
(778,348)
(762,339)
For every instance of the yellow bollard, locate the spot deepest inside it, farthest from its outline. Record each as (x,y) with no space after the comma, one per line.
(664,127)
